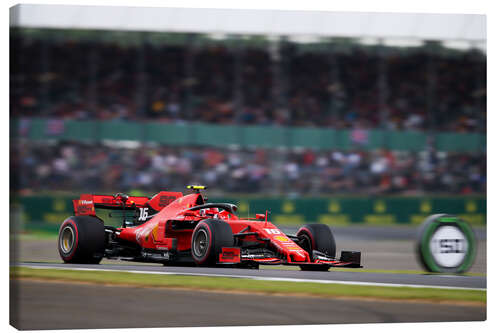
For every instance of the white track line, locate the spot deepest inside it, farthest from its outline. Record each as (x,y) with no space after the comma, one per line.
(356,283)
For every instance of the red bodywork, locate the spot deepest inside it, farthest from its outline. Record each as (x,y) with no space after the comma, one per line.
(158,234)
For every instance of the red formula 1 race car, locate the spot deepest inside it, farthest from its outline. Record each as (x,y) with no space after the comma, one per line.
(176,229)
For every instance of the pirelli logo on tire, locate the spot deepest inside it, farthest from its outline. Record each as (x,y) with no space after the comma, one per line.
(446,244)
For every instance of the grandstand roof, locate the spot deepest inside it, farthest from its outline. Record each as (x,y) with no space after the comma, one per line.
(465,27)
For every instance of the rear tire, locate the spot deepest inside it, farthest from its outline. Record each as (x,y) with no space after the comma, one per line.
(208,239)
(81,240)
(318,237)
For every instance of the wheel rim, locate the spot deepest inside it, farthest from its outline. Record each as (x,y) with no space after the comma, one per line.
(67,239)
(200,243)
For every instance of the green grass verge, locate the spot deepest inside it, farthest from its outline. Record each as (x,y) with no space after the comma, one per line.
(249,285)
(365,270)
(336,269)
(35,235)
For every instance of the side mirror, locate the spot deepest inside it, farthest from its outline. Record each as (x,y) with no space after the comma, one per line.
(260,216)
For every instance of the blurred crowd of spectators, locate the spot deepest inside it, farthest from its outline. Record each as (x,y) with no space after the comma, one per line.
(70,166)
(217,84)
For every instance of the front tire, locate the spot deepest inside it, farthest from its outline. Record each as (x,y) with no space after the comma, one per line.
(81,240)
(317,237)
(208,239)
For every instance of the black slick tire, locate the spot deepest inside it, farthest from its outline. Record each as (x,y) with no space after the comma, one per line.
(317,237)
(81,240)
(208,239)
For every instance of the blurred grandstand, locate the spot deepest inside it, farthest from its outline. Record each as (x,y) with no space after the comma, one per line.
(337,84)
(89,167)
(325,82)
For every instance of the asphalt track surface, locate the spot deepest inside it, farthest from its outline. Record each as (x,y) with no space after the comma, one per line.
(381,279)
(50,305)
(382,248)
(386,248)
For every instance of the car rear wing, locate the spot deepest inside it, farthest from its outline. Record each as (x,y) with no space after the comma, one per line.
(87,203)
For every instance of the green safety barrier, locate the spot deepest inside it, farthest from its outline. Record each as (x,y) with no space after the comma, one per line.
(244,136)
(47,212)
